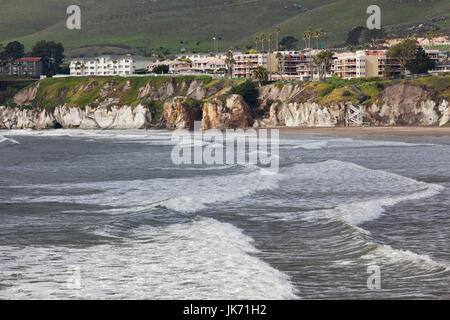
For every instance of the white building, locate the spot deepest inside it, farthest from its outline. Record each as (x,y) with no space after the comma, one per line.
(195,56)
(441,68)
(350,65)
(108,65)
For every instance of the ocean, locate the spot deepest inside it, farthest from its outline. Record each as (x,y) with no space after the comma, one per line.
(107,215)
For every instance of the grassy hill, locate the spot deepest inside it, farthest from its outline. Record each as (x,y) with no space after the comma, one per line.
(192,23)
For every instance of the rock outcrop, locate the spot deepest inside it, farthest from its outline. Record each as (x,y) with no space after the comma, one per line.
(115,117)
(404,104)
(305,115)
(229,113)
(181,113)
(176,103)
(399,104)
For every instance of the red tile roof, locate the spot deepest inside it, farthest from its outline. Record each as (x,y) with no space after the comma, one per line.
(26,59)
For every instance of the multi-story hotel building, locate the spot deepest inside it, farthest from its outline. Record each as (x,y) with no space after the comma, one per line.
(108,65)
(31,67)
(245,64)
(350,65)
(364,64)
(289,63)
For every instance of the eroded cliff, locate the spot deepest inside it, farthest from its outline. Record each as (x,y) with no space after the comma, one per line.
(176,102)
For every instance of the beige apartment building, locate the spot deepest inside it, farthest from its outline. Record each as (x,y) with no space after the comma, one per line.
(363,64)
(245,64)
(175,66)
(209,65)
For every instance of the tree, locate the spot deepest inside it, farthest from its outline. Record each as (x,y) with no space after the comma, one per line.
(310,33)
(354,35)
(229,61)
(279,57)
(269,40)
(305,37)
(247,90)
(430,36)
(404,51)
(372,35)
(277,32)
(388,72)
(323,60)
(52,55)
(256,42)
(261,74)
(249,69)
(262,38)
(421,63)
(288,43)
(13,50)
(318,34)
(161,69)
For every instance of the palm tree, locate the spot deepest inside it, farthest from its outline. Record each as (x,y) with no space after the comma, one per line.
(310,32)
(249,68)
(277,32)
(256,42)
(269,40)
(323,61)
(318,34)
(229,61)
(279,56)
(430,36)
(263,38)
(261,74)
(305,37)
(83,68)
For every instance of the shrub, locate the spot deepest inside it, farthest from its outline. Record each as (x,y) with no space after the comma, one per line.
(247,90)
(161,69)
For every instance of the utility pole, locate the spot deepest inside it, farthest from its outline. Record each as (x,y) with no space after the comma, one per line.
(218,39)
(214,51)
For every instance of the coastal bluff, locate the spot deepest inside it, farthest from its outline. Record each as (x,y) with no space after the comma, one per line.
(176,102)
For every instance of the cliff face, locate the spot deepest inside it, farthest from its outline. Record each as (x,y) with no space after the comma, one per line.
(175,103)
(229,114)
(406,104)
(181,113)
(398,104)
(115,117)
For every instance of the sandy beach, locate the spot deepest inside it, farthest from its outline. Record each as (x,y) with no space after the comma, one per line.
(381,131)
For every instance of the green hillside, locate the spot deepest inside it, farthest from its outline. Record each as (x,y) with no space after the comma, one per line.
(192,23)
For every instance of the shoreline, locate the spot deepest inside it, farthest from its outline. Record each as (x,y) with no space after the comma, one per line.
(369,131)
(380,131)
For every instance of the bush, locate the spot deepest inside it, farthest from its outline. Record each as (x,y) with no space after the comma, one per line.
(346,93)
(247,90)
(161,69)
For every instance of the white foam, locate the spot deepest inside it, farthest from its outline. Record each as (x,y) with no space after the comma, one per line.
(313,144)
(7,141)
(182,194)
(386,255)
(359,212)
(204,259)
